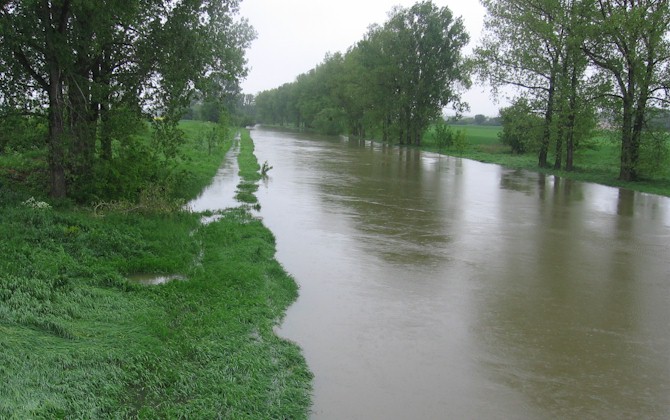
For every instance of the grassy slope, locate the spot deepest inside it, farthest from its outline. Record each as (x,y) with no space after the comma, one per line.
(78,340)
(597,161)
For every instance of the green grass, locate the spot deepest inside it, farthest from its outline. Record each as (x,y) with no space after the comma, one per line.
(79,340)
(200,159)
(596,160)
(249,171)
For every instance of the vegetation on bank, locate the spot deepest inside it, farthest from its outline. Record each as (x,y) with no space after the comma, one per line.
(93,74)
(596,160)
(80,340)
(249,171)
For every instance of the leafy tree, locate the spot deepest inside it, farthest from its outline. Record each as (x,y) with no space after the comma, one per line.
(423,44)
(447,137)
(84,61)
(627,41)
(534,45)
(395,81)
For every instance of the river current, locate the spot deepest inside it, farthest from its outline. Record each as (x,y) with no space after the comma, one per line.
(434,287)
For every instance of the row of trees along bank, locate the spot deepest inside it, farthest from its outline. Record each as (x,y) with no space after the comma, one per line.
(95,70)
(570,60)
(572,57)
(390,85)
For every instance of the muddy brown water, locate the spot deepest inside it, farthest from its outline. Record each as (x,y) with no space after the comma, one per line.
(434,287)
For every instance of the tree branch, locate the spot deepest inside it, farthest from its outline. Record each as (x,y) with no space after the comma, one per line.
(25,63)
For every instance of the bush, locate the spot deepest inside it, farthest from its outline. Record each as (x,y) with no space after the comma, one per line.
(19,133)
(447,137)
(654,154)
(522,128)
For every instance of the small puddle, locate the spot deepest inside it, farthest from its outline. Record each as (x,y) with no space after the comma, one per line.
(153,279)
(214,199)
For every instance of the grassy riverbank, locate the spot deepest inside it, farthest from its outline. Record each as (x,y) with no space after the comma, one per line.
(597,160)
(79,340)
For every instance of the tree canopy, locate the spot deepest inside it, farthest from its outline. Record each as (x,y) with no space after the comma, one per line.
(569,57)
(87,64)
(393,82)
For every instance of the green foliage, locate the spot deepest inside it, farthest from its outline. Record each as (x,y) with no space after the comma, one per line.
(521,127)
(79,340)
(596,158)
(446,137)
(166,140)
(94,69)
(249,167)
(137,168)
(620,40)
(392,84)
(19,133)
(329,121)
(655,154)
(249,171)
(572,56)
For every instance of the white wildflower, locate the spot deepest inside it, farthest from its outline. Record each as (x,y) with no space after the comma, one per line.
(32,203)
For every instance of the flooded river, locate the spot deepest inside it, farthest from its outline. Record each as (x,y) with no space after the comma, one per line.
(434,287)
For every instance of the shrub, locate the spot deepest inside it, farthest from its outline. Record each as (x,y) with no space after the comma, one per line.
(522,128)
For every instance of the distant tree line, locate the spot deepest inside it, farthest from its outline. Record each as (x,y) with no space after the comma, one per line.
(93,72)
(479,119)
(391,85)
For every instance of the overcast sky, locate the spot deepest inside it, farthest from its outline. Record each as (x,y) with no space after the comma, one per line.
(295,35)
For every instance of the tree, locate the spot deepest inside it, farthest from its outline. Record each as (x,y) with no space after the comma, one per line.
(533,45)
(85,60)
(628,43)
(393,82)
(423,46)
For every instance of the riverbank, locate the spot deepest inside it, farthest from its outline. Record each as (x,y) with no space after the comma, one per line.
(80,340)
(597,161)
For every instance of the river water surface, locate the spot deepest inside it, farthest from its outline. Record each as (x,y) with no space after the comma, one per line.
(434,287)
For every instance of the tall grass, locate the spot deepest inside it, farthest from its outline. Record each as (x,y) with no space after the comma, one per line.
(80,340)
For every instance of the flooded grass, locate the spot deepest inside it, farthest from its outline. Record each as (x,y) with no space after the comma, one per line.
(153,279)
(79,340)
(249,171)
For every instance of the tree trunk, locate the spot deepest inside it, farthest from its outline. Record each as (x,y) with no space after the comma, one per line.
(57,136)
(572,115)
(558,160)
(548,117)
(627,169)
(82,126)
(55,22)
